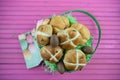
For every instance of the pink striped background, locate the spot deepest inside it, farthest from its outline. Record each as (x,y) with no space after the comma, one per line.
(18,16)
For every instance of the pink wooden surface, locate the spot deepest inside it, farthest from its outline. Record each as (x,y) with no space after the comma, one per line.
(18,16)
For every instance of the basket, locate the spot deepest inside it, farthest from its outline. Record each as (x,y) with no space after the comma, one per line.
(32,58)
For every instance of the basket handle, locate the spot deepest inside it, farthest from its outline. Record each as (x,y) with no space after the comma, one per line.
(94,19)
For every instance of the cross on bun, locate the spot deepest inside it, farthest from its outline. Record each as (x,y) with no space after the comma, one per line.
(69,38)
(43,33)
(51,54)
(59,23)
(74,59)
(83,30)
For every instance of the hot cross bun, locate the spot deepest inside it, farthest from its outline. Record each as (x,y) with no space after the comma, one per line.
(74,59)
(69,38)
(43,34)
(51,54)
(59,23)
(83,30)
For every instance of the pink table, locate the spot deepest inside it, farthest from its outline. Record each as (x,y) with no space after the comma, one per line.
(18,16)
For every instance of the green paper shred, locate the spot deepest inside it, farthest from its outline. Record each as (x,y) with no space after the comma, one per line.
(72,20)
(88,57)
(52,66)
(40,46)
(89,43)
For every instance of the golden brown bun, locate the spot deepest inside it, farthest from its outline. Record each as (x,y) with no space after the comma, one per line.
(59,23)
(43,34)
(69,38)
(51,54)
(74,59)
(84,31)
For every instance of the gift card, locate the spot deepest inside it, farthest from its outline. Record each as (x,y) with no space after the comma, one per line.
(30,49)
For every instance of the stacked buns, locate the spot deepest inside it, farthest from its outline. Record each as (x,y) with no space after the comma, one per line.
(69,37)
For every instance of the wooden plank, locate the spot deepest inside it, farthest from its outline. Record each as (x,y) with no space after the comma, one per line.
(88,67)
(61,76)
(51,12)
(96,60)
(41,72)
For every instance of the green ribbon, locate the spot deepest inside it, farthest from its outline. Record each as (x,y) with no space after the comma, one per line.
(94,19)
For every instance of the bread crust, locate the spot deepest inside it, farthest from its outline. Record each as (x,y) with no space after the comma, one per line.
(83,30)
(51,54)
(74,59)
(43,34)
(59,23)
(69,38)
